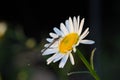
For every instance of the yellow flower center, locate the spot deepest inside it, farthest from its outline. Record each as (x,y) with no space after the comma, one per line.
(67,42)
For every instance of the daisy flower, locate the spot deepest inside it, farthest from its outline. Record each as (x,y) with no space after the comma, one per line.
(63,41)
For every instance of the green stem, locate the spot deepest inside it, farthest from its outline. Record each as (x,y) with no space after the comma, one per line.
(91,58)
(92,72)
(77,72)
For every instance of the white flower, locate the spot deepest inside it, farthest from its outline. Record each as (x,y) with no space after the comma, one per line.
(64,40)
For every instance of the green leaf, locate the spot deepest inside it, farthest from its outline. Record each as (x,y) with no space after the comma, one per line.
(91,58)
(92,71)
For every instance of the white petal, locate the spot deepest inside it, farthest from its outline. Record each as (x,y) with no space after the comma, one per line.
(78,42)
(46,45)
(81,26)
(53,35)
(51,45)
(75,24)
(84,33)
(72,59)
(50,51)
(87,41)
(63,28)
(58,57)
(67,25)
(42,50)
(55,44)
(74,49)
(58,32)
(71,25)
(83,36)
(63,61)
(49,60)
(49,39)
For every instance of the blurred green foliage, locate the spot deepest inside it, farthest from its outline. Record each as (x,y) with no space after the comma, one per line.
(12,43)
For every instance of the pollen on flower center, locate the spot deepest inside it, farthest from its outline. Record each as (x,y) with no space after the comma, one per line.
(67,42)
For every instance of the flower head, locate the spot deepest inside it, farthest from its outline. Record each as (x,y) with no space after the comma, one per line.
(64,40)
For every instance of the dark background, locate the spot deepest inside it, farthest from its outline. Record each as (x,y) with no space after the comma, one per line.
(37,18)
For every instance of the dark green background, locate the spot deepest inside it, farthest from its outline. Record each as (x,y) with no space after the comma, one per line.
(35,19)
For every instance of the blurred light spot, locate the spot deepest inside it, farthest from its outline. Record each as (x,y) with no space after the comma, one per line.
(30,43)
(28,64)
(22,75)
(3,28)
